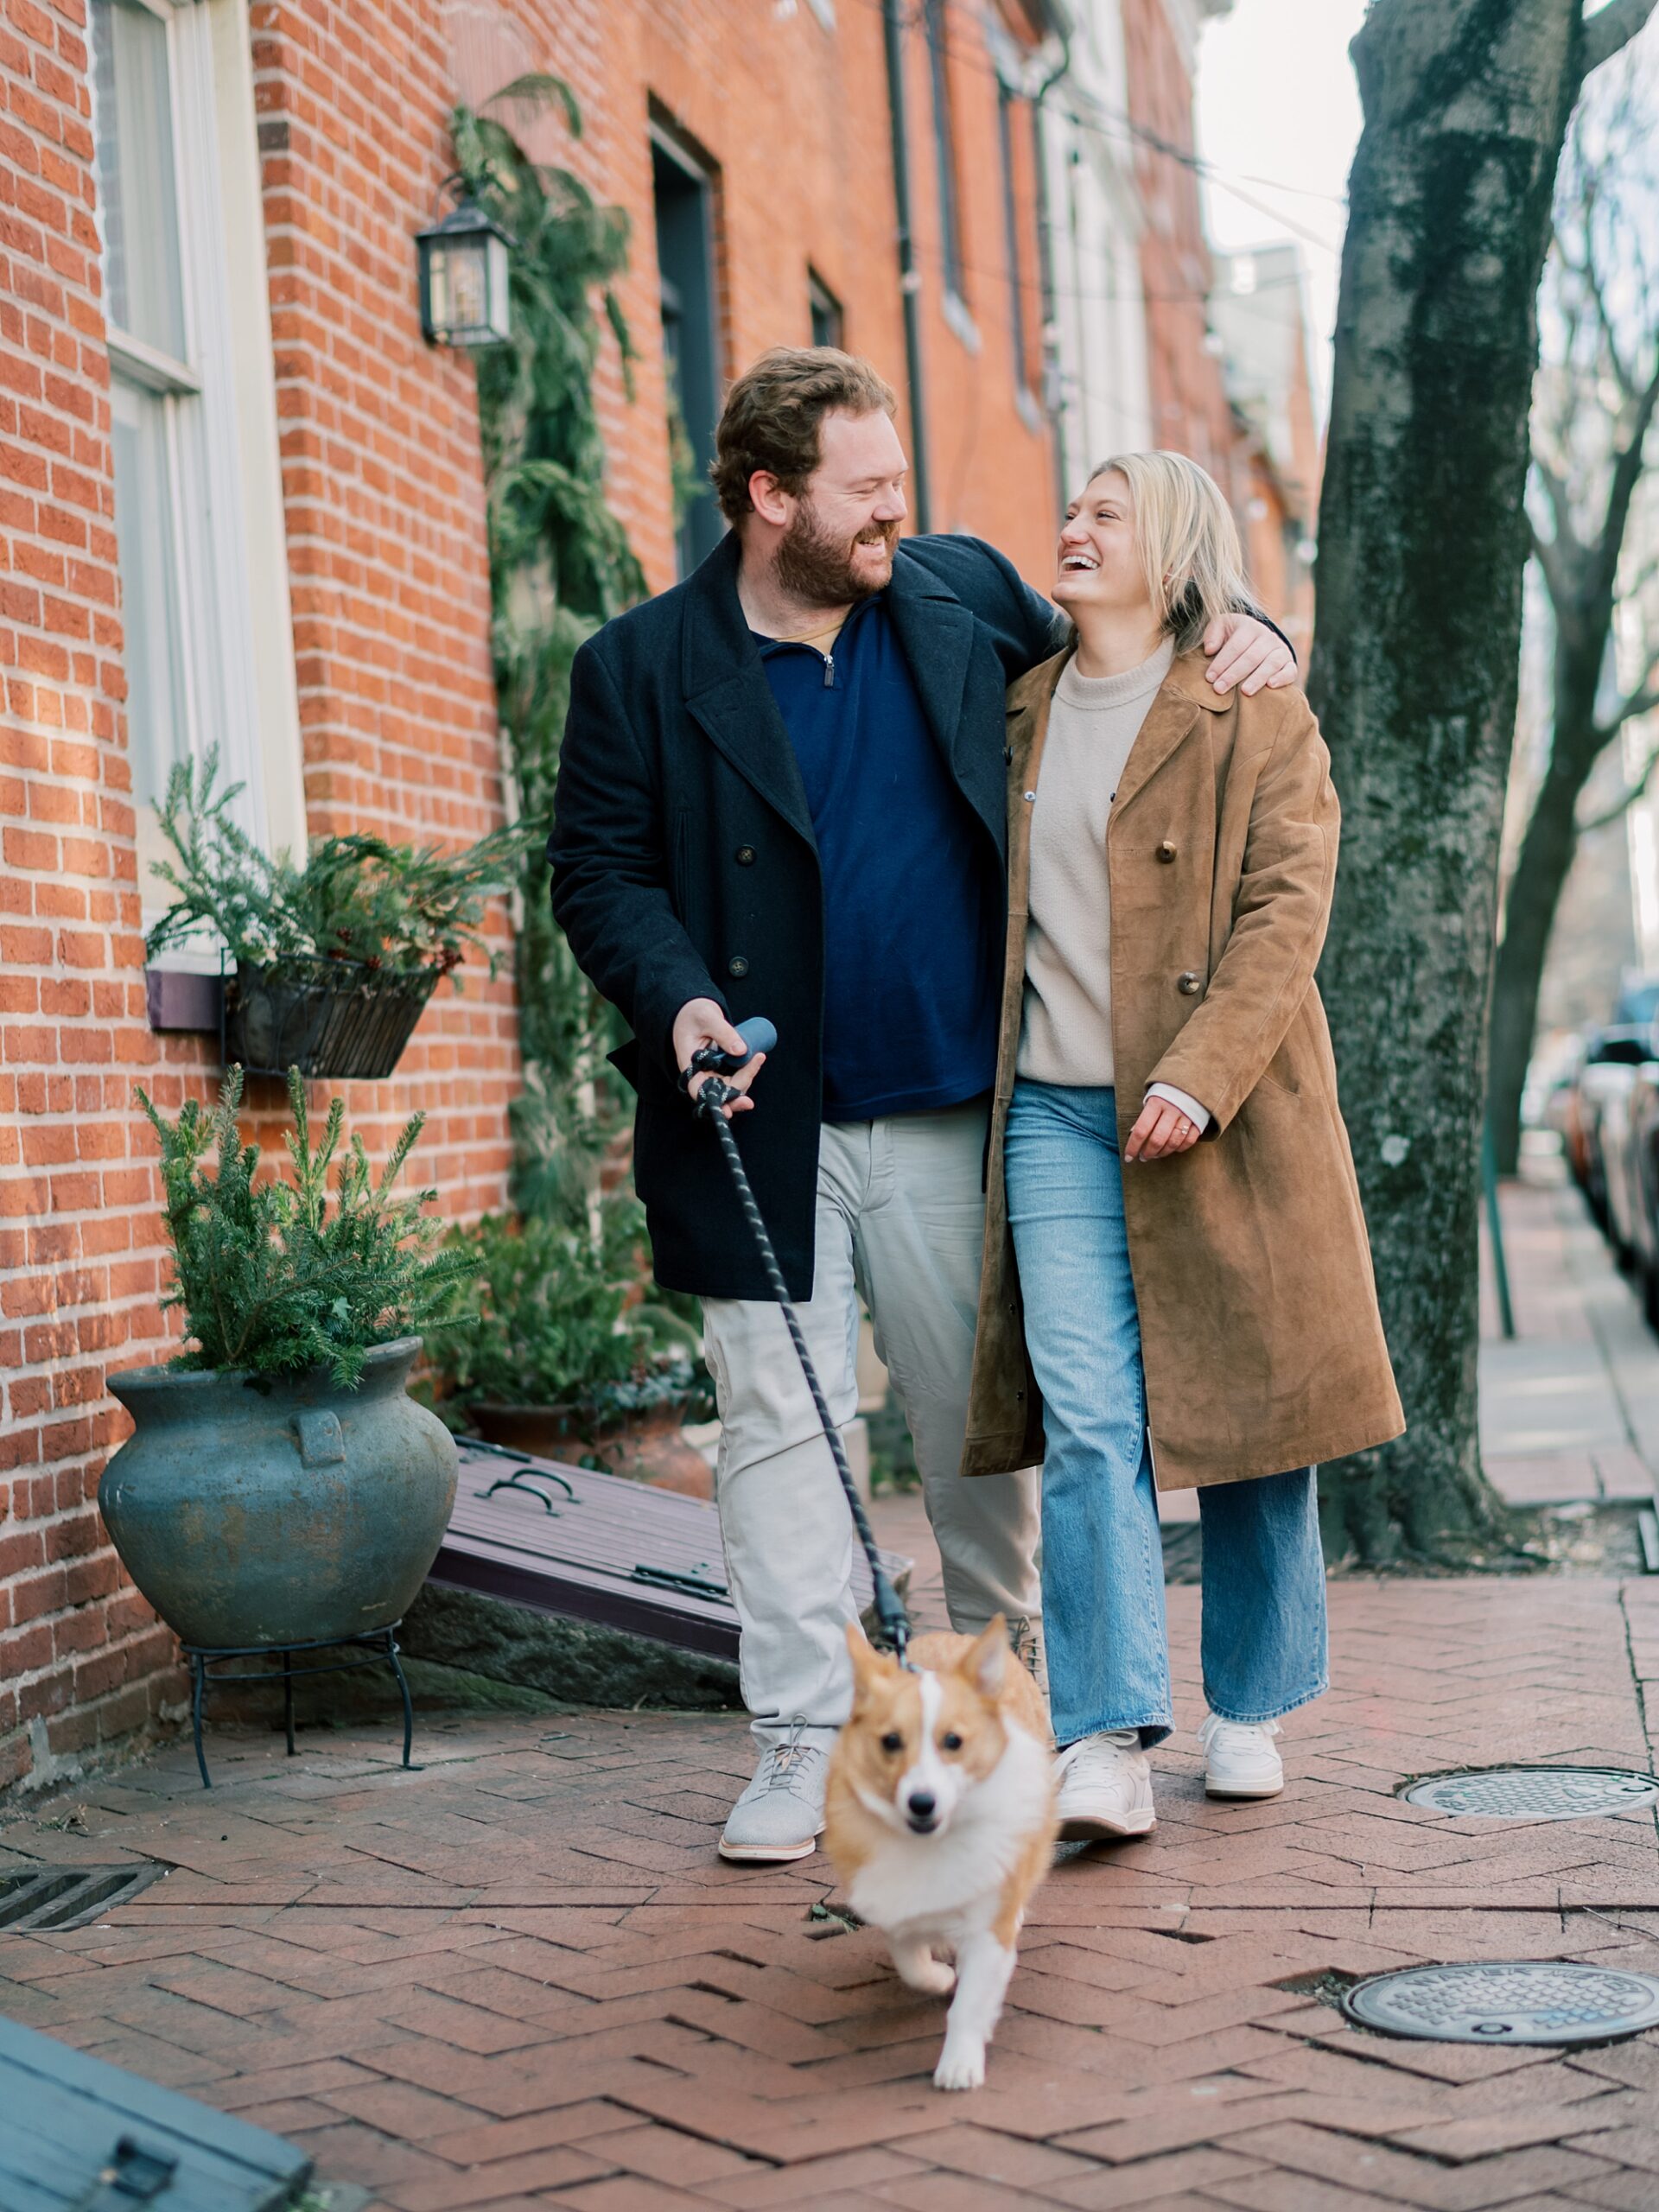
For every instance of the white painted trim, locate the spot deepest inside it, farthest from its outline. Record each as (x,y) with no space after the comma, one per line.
(138,363)
(218,644)
(238,686)
(959,318)
(252,388)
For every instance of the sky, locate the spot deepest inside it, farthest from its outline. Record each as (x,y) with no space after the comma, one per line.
(1278,120)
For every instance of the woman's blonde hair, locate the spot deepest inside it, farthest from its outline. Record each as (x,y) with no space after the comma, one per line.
(1187,540)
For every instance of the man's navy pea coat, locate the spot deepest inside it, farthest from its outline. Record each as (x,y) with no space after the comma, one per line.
(684,866)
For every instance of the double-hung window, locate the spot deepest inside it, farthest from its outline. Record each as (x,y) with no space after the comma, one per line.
(947,173)
(208,645)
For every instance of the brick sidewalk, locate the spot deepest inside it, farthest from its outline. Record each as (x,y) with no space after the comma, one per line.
(520,1976)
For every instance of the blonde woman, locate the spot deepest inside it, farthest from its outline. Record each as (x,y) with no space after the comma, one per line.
(1183,1233)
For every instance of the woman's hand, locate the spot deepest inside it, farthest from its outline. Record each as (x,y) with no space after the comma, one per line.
(1162,1131)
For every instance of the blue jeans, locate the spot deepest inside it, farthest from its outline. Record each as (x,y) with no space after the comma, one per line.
(1264,1628)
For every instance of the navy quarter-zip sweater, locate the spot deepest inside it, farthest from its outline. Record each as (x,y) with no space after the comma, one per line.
(912,905)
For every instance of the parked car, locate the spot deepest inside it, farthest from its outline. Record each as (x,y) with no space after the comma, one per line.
(1637,1004)
(1616,1145)
(1552,1071)
(1641,1113)
(1605,1073)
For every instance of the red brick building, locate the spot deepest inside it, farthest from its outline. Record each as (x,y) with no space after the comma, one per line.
(1259,310)
(241,508)
(1189,405)
(752,150)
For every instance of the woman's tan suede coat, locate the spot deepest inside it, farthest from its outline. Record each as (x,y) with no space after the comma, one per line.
(1259,1328)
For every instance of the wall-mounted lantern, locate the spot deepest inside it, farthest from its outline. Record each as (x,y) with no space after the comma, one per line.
(464,279)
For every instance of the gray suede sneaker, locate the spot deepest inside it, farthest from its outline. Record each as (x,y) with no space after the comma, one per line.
(780,1815)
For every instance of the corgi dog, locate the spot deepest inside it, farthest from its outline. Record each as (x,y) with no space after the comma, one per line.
(940,1820)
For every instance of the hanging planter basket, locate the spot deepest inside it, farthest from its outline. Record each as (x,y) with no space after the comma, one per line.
(336,1018)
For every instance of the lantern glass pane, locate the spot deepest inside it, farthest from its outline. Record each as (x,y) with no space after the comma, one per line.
(499,318)
(459,306)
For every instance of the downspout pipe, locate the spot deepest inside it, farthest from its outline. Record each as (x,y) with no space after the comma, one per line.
(909,282)
(1052,397)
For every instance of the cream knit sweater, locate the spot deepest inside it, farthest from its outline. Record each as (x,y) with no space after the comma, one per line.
(1066,1034)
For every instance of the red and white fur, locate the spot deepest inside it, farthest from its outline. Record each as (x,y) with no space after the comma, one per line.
(940,1820)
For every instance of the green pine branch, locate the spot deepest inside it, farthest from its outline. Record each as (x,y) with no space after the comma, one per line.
(279,1277)
(358,897)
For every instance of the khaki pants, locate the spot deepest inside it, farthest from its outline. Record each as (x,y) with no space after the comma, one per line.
(901,1221)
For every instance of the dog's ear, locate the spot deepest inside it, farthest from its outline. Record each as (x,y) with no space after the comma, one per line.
(870,1665)
(986,1661)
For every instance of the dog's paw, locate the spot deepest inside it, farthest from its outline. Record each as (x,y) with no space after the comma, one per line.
(961,2069)
(931,1977)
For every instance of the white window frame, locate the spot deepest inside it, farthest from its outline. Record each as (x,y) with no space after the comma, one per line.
(230,587)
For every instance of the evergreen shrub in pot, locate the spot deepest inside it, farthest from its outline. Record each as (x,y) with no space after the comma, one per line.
(281,1486)
(556,1351)
(335,959)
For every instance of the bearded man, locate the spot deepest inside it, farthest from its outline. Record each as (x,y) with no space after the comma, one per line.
(781,791)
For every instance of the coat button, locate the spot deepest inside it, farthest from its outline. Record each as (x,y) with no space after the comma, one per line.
(744,856)
(1166,851)
(1007,756)
(1189,982)
(740,966)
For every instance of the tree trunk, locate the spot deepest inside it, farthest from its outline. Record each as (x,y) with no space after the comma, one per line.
(1541,868)
(1422,541)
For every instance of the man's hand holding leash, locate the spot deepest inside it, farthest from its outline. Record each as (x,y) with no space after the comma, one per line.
(699,1025)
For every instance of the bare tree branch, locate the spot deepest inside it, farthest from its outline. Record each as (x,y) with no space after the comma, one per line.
(1641,700)
(1635,590)
(1628,463)
(1611,29)
(1547,551)
(1553,479)
(1590,277)
(1622,804)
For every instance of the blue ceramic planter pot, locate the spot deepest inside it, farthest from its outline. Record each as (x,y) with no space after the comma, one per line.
(253,1511)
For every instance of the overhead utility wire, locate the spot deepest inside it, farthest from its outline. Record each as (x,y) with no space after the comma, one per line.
(1137,132)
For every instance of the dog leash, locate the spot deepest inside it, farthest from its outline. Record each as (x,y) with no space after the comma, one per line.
(760,1036)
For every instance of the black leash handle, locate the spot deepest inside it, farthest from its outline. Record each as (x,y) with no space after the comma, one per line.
(891,1616)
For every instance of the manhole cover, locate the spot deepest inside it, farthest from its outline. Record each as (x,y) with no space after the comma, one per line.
(1513,2002)
(68,1896)
(1535,1793)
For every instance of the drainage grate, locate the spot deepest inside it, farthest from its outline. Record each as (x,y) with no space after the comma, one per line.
(1535,1793)
(1514,2002)
(68,1896)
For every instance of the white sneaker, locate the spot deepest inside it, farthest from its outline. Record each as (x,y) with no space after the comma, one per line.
(1239,1760)
(780,1815)
(1105,1788)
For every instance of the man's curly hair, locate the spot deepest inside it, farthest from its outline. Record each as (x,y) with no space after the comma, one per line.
(773,413)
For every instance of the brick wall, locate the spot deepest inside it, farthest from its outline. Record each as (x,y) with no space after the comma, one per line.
(795,118)
(1189,413)
(384,507)
(383,495)
(82,1659)
(384,513)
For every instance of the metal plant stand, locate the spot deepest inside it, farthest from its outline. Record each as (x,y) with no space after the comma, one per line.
(379,1647)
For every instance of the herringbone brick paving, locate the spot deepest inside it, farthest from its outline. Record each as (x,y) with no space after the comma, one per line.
(519,1976)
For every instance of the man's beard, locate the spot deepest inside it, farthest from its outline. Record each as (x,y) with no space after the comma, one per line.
(817,569)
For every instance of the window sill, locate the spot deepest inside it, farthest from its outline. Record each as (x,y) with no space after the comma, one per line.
(1026,407)
(958,319)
